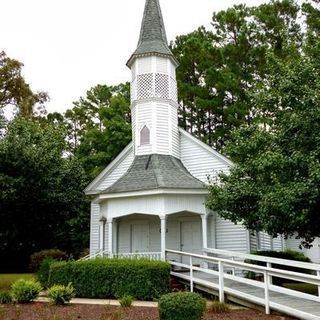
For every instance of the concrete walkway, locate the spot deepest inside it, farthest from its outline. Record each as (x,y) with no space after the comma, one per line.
(147,304)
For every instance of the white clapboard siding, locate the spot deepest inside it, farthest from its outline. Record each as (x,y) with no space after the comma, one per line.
(175,136)
(264,241)
(162,129)
(230,236)
(277,244)
(117,172)
(94,228)
(253,241)
(312,253)
(144,117)
(200,161)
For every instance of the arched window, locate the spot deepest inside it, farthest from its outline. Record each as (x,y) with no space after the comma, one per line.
(144,136)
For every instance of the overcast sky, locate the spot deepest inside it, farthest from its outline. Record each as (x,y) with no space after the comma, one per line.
(68,46)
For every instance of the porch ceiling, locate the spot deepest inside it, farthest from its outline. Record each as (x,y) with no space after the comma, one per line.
(156,205)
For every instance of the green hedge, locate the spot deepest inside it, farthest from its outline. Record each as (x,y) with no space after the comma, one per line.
(37,257)
(181,306)
(103,278)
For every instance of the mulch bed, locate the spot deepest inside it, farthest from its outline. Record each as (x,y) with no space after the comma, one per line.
(41,311)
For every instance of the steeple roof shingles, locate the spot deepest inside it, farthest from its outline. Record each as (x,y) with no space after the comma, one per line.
(153,39)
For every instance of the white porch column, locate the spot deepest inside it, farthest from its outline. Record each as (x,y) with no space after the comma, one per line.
(115,236)
(163,231)
(110,236)
(204,219)
(102,234)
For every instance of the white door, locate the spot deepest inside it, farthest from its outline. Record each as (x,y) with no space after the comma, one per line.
(140,237)
(190,237)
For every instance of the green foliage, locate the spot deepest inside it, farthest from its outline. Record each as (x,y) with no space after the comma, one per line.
(37,258)
(126,301)
(14,91)
(220,66)
(302,287)
(102,278)
(60,294)
(25,291)
(274,186)
(41,193)
(181,306)
(44,271)
(218,307)
(5,297)
(98,126)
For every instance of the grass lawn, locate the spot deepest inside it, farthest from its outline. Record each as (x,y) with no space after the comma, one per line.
(6,280)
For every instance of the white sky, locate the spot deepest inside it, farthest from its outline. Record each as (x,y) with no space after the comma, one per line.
(68,46)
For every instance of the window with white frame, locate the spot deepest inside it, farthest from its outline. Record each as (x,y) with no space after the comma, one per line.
(144,136)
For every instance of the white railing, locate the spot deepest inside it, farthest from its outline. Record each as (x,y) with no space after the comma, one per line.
(222,264)
(98,254)
(136,255)
(270,262)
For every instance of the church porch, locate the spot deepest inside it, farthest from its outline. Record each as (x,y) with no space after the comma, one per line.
(148,236)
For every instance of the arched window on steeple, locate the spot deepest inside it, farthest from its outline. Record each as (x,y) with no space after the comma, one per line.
(144,136)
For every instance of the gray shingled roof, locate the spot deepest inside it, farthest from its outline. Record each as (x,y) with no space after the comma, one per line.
(153,37)
(155,171)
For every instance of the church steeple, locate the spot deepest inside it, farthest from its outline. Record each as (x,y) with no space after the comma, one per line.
(154,89)
(153,38)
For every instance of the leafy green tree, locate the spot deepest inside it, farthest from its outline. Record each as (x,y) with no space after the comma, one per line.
(14,91)
(42,204)
(274,185)
(98,126)
(219,67)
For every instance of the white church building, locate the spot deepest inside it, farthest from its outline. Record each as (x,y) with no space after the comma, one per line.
(152,196)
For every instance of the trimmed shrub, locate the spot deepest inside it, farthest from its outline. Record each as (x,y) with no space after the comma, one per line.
(103,278)
(37,257)
(126,301)
(181,306)
(24,291)
(5,297)
(218,307)
(44,270)
(60,295)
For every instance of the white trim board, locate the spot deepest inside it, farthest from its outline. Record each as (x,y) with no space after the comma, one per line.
(89,190)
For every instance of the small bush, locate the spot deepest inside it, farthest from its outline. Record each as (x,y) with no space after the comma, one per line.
(44,271)
(181,306)
(126,301)
(106,278)
(218,307)
(37,257)
(5,297)
(60,295)
(24,291)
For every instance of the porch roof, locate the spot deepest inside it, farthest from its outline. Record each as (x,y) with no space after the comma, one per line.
(149,172)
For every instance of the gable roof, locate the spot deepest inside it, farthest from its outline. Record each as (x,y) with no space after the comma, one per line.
(153,38)
(156,171)
(215,153)
(92,186)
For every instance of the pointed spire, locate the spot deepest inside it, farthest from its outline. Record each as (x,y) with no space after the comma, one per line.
(153,39)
